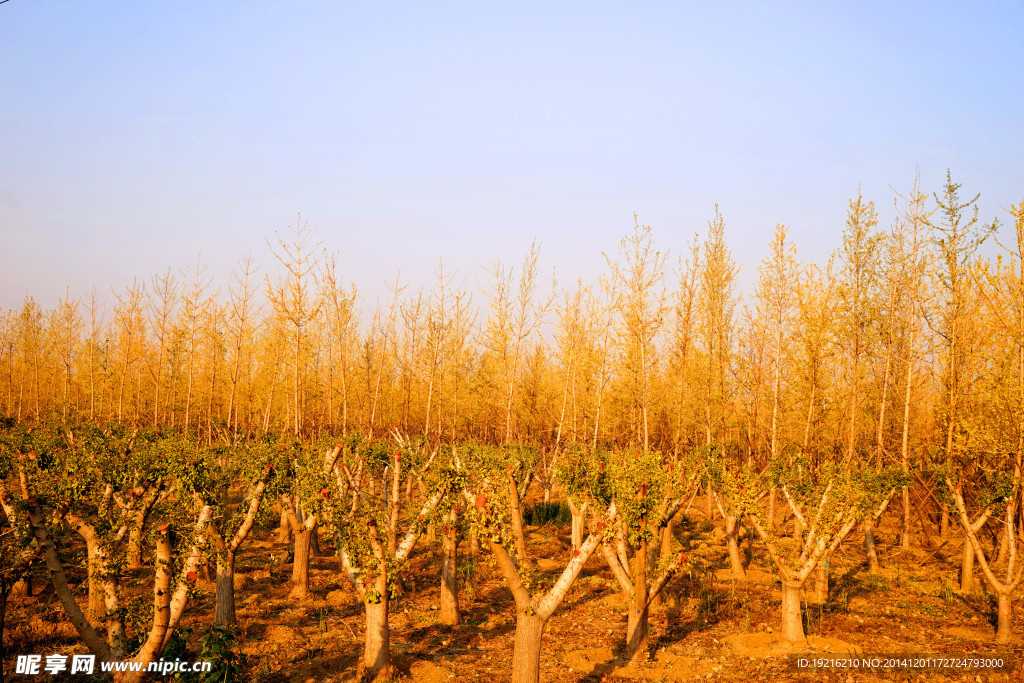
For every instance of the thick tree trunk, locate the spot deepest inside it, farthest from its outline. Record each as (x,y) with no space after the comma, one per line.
(224,614)
(526,653)
(792,621)
(1004,627)
(869,546)
(732,536)
(449,606)
(300,566)
(376,662)
(967,569)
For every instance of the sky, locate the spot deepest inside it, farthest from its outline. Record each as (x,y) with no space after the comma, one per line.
(137,137)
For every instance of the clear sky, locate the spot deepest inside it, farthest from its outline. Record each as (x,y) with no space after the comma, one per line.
(135,135)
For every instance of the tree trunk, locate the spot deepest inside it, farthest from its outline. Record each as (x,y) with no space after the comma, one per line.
(869,546)
(284,530)
(1004,628)
(516,512)
(578,522)
(732,536)
(377,647)
(300,565)
(967,569)
(97,604)
(771,508)
(224,614)
(636,622)
(821,582)
(526,655)
(133,552)
(666,549)
(449,576)
(905,520)
(792,621)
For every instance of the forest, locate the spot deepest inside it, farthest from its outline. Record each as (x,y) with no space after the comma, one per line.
(656,434)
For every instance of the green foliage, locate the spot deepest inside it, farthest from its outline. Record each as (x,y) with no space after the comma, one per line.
(556,513)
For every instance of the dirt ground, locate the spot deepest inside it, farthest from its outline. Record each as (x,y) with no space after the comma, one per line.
(710,627)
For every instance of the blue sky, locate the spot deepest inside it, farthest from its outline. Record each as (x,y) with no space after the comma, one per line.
(134,136)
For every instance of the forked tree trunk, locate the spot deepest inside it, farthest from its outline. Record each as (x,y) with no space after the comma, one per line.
(224,614)
(526,656)
(449,606)
(792,620)
(967,568)
(732,538)
(300,566)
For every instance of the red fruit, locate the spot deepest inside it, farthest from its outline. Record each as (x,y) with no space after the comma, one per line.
(192,576)
(481,500)
(575,552)
(324,492)
(601,526)
(682,557)
(165,527)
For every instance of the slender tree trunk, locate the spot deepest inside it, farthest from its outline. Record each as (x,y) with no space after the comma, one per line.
(526,655)
(449,606)
(869,545)
(732,536)
(517,519)
(636,622)
(821,582)
(284,530)
(578,522)
(967,568)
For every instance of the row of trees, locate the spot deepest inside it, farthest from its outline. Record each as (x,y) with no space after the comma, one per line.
(905,337)
(127,495)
